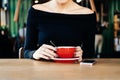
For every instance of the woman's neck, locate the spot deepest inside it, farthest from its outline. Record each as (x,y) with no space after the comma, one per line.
(61,7)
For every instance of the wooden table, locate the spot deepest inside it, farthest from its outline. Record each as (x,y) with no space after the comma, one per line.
(27,69)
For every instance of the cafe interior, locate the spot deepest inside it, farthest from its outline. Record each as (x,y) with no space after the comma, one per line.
(13,23)
(13,65)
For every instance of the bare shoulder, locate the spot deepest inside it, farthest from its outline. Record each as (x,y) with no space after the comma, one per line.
(41,6)
(85,10)
(82,10)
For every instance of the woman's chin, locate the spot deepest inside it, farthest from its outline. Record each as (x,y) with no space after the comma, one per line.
(62,1)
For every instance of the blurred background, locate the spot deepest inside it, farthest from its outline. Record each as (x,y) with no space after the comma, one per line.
(13,14)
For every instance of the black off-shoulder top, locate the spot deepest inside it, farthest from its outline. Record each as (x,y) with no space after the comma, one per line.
(62,29)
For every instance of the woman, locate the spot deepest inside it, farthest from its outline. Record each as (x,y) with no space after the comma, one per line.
(62,21)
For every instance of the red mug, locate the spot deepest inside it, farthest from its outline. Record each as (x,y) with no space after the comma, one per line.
(66,51)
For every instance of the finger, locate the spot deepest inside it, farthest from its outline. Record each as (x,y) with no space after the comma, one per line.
(49,47)
(46,54)
(37,55)
(44,57)
(79,51)
(80,59)
(51,52)
(78,54)
(78,48)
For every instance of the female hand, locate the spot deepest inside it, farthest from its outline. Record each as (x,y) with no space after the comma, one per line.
(46,52)
(79,52)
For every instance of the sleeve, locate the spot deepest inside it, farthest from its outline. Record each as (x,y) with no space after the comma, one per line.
(31,34)
(89,38)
